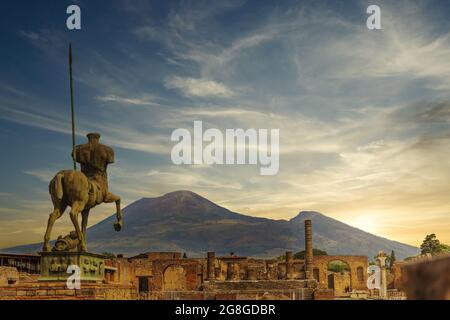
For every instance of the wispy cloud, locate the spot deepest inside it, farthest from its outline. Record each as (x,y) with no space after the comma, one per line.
(363,115)
(10,89)
(47,40)
(117,135)
(199,87)
(132,101)
(5,194)
(44,175)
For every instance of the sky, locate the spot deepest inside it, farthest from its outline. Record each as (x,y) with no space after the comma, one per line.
(364,115)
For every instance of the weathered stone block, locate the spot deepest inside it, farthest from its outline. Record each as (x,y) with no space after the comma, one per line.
(8,275)
(69,292)
(21,293)
(54,266)
(7,293)
(41,292)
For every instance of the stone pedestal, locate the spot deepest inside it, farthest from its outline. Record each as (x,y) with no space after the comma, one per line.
(54,266)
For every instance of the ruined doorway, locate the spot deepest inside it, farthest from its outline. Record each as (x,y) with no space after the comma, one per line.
(143,284)
(339,277)
(316,274)
(174,278)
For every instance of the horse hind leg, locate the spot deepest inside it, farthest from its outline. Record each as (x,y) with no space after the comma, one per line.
(55,215)
(84,221)
(74,212)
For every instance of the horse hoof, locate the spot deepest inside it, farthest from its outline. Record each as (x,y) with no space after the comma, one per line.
(117,226)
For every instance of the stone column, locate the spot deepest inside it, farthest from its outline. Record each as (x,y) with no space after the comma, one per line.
(308,250)
(236,271)
(381,258)
(217,273)
(269,271)
(230,270)
(289,264)
(210,266)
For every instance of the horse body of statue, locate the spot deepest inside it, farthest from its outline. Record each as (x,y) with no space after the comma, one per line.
(83,190)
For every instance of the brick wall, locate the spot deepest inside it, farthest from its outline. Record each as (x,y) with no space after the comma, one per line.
(59,291)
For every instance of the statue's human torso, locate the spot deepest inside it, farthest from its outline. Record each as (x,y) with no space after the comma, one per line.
(94,160)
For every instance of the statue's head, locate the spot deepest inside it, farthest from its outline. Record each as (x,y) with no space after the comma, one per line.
(93,137)
(73,234)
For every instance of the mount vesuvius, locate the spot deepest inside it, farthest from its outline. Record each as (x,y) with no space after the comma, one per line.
(186,222)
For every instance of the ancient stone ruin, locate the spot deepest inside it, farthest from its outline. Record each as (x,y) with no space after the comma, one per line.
(169,275)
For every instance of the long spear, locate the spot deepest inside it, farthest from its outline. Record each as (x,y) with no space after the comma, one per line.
(71,107)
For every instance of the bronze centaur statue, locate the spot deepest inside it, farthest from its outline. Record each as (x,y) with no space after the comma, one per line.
(83,190)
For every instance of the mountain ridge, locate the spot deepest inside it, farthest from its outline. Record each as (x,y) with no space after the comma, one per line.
(187,222)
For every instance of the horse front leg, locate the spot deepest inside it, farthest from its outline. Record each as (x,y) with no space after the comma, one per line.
(113,198)
(118,225)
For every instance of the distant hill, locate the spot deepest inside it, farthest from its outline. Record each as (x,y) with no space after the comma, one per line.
(186,222)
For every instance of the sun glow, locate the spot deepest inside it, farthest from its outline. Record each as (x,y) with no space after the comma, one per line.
(366,222)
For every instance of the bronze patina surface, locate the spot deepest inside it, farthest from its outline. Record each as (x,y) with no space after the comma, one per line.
(82,190)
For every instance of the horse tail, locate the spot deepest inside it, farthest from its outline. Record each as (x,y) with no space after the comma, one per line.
(57,185)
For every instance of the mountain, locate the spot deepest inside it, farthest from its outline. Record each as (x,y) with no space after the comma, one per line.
(186,222)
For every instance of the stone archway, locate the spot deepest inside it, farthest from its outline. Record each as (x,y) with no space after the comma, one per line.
(174,278)
(339,277)
(358,268)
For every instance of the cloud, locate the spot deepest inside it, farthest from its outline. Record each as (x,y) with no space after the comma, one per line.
(436,112)
(43,175)
(132,101)
(47,40)
(199,87)
(115,133)
(32,36)
(34,119)
(227,113)
(363,115)
(12,90)
(5,194)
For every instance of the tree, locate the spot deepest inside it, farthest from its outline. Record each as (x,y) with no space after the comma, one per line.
(392,259)
(184,255)
(431,245)
(338,266)
(445,248)
(301,254)
(316,252)
(109,255)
